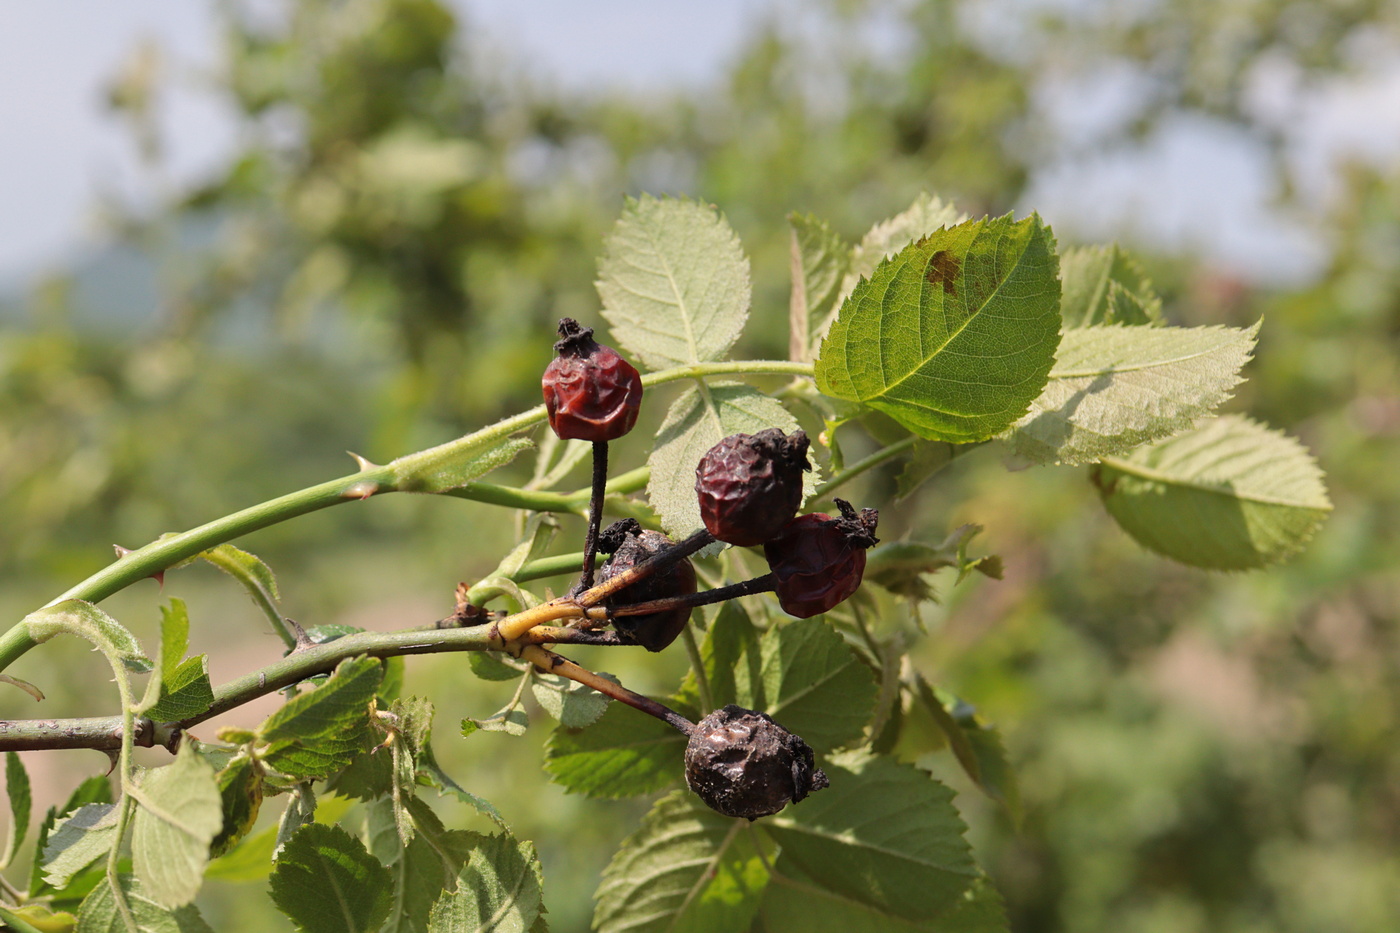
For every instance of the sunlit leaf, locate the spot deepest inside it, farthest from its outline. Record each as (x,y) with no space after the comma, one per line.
(180,813)
(21,801)
(1229,495)
(83,619)
(924,217)
(317,732)
(954,337)
(820,259)
(100,913)
(498,890)
(326,882)
(1103,285)
(624,754)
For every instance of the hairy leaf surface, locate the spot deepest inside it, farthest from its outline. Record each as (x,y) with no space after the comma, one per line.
(83,619)
(21,800)
(1229,495)
(499,891)
(327,882)
(1114,388)
(1103,285)
(180,814)
(100,913)
(182,684)
(954,337)
(623,754)
(814,684)
(685,868)
(926,216)
(674,282)
(317,733)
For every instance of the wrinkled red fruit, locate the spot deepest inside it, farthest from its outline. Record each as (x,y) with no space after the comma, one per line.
(590,393)
(817,561)
(630,546)
(743,764)
(750,485)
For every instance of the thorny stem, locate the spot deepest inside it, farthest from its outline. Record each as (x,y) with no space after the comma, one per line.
(553,663)
(407,473)
(595,512)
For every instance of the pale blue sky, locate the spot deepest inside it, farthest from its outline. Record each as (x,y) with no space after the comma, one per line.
(1199,182)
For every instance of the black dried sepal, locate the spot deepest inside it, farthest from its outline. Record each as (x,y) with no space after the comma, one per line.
(612,537)
(743,764)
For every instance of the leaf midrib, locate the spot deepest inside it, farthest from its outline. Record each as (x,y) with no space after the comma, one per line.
(1157,476)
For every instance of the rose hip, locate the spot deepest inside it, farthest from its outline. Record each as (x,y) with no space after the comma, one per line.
(590,393)
(750,485)
(817,561)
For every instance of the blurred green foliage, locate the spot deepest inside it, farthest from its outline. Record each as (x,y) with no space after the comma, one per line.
(379,267)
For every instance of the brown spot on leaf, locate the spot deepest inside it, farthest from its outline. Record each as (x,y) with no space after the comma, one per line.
(943,269)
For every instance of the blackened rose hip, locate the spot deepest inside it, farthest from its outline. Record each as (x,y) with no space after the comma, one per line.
(750,485)
(817,561)
(630,545)
(590,393)
(743,764)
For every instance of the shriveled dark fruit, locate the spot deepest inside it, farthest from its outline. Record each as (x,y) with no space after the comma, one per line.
(817,561)
(590,393)
(750,485)
(743,764)
(655,630)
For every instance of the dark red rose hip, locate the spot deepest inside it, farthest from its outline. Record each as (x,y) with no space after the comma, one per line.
(630,545)
(750,485)
(590,393)
(817,561)
(743,764)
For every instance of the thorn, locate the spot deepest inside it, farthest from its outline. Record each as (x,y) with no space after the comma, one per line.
(302,639)
(364,464)
(359,490)
(158,576)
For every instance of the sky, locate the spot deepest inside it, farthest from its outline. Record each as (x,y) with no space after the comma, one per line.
(1202,183)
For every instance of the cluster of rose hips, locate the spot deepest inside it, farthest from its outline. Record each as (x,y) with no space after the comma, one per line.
(749,487)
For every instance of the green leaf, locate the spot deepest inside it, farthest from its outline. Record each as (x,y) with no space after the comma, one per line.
(100,913)
(431,773)
(883,834)
(573,704)
(250,860)
(900,566)
(181,811)
(241,793)
(925,460)
(96,789)
(1229,495)
(926,216)
(793,901)
(424,868)
(1103,285)
(21,803)
(248,569)
(489,665)
(731,636)
(37,918)
(820,259)
(954,337)
(183,688)
(674,282)
(700,418)
(498,890)
(977,747)
(443,469)
(83,619)
(685,868)
(814,685)
(1114,388)
(327,883)
(78,841)
(624,754)
(317,733)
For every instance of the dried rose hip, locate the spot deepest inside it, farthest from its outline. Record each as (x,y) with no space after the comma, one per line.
(743,764)
(630,545)
(817,560)
(590,393)
(750,485)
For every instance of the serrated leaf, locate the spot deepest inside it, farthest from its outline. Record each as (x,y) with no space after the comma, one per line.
(954,337)
(21,802)
(512,720)
(674,282)
(431,772)
(820,259)
(1114,388)
(180,813)
(899,566)
(451,466)
(96,789)
(498,890)
(883,834)
(700,418)
(424,868)
(685,868)
(100,913)
(317,733)
(240,792)
(248,569)
(83,619)
(78,841)
(1104,285)
(977,747)
(731,637)
(182,688)
(326,882)
(814,685)
(488,665)
(573,704)
(1229,495)
(924,217)
(795,902)
(624,754)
